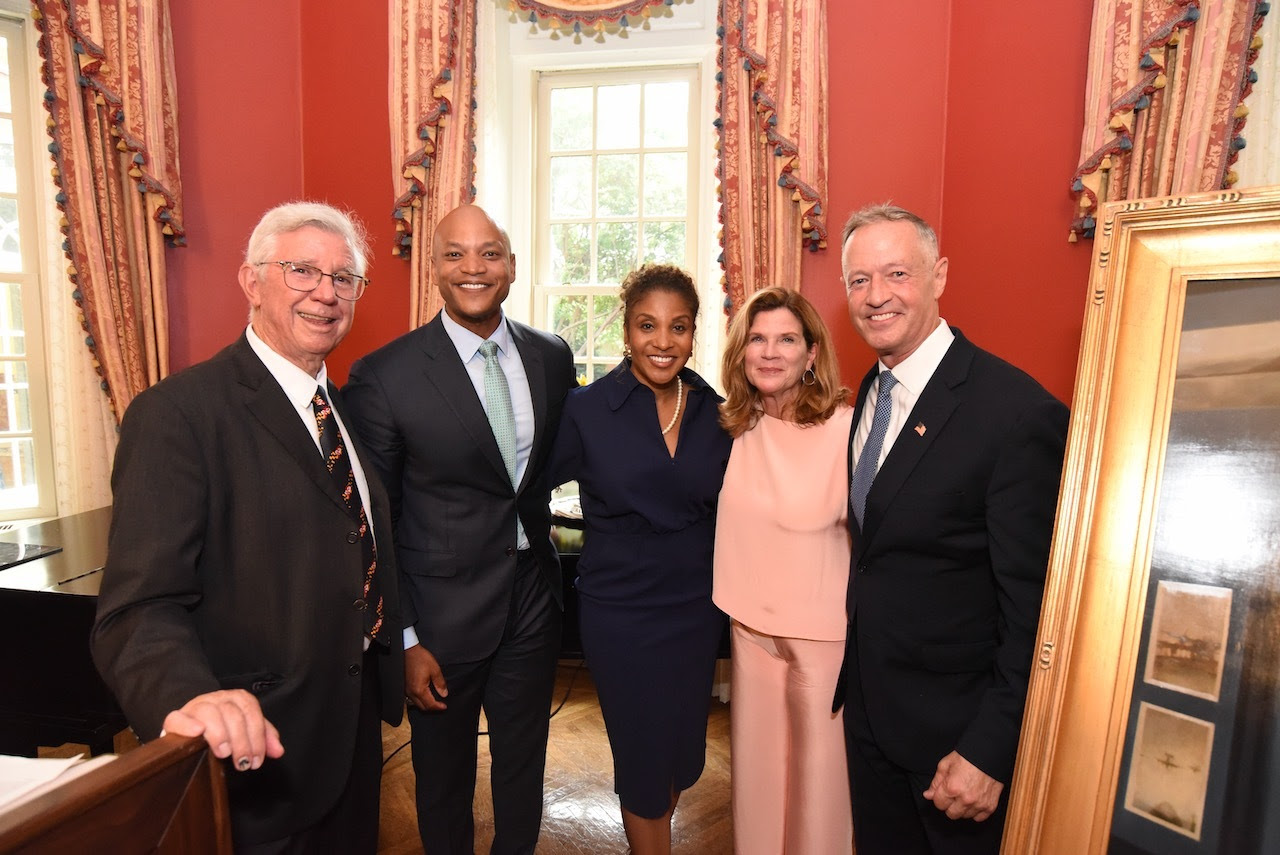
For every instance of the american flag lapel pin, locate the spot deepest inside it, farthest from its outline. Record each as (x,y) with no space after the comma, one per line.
(920,428)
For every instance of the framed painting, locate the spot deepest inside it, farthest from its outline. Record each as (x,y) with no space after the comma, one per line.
(1153,716)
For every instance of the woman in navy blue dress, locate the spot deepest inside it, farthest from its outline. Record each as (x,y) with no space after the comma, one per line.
(645,445)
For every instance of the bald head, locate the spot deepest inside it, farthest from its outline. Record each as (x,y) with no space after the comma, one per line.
(468,218)
(474,268)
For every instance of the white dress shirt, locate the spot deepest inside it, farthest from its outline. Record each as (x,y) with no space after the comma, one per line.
(300,387)
(912,374)
(468,346)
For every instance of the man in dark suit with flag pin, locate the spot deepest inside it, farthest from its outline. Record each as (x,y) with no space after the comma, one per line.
(955,461)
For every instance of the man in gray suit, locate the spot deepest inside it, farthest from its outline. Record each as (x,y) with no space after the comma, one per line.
(250,591)
(459,416)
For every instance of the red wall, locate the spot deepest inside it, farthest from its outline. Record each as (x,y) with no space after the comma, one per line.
(348,158)
(968,113)
(887,75)
(1015,111)
(240,135)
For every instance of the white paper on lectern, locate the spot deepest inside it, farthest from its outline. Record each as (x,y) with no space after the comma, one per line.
(23,778)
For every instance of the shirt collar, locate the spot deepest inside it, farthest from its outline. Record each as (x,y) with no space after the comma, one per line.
(914,372)
(467,342)
(299,386)
(620,383)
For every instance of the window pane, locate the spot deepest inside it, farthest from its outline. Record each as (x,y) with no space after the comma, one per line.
(18,473)
(600,369)
(569,320)
(570,254)
(15,397)
(617,185)
(8,167)
(570,186)
(608,309)
(6,97)
(618,116)
(13,340)
(666,114)
(615,251)
(664,243)
(666,179)
(571,119)
(10,247)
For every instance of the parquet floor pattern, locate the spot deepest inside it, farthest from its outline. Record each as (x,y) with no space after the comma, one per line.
(580,813)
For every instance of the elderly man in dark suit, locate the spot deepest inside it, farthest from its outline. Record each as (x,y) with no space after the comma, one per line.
(459,416)
(955,462)
(250,592)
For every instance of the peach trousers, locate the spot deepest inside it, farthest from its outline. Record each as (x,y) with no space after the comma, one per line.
(790,777)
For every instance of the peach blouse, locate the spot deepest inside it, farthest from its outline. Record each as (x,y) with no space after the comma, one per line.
(782,538)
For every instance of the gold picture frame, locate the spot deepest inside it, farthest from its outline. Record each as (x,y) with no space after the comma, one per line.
(1141,351)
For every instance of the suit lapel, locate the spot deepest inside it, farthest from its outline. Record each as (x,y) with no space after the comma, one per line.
(446,372)
(268,405)
(933,409)
(535,373)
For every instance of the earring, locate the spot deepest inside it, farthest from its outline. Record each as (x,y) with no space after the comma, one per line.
(626,351)
(809,377)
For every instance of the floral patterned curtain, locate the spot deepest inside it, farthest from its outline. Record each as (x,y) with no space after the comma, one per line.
(112,102)
(773,141)
(433,58)
(1163,104)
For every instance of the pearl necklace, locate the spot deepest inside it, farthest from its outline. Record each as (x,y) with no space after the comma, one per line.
(679,399)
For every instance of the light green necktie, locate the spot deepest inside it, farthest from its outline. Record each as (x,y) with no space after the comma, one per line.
(497,398)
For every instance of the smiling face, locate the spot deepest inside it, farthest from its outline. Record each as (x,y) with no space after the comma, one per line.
(893,285)
(474,268)
(776,358)
(302,326)
(659,331)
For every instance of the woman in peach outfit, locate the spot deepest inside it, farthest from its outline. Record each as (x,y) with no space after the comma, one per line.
(781,573)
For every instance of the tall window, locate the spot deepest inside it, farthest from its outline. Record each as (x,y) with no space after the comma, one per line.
(26,455)
(616,161)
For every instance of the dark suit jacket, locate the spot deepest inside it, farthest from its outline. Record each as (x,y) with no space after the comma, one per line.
(453,506)
(948,572)
(231,565)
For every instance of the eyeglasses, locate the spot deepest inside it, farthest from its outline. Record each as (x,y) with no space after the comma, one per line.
(305,277)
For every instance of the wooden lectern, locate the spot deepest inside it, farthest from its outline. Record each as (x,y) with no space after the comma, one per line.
(167,796)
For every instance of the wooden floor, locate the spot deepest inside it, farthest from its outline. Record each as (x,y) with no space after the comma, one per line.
(580,809)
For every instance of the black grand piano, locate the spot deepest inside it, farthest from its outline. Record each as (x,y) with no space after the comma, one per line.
(49,690)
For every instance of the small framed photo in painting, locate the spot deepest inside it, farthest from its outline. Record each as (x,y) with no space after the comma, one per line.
(1188,644)
(1169,771)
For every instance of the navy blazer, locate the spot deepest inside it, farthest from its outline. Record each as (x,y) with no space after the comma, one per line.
(453,506)
(232,564)
(947,572)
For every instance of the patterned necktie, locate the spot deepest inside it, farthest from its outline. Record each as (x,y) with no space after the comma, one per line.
(338,462)
(869,461)
(497,399)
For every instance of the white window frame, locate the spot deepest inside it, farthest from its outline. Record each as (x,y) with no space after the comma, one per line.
(513,54)
(544,286)
(30,147)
